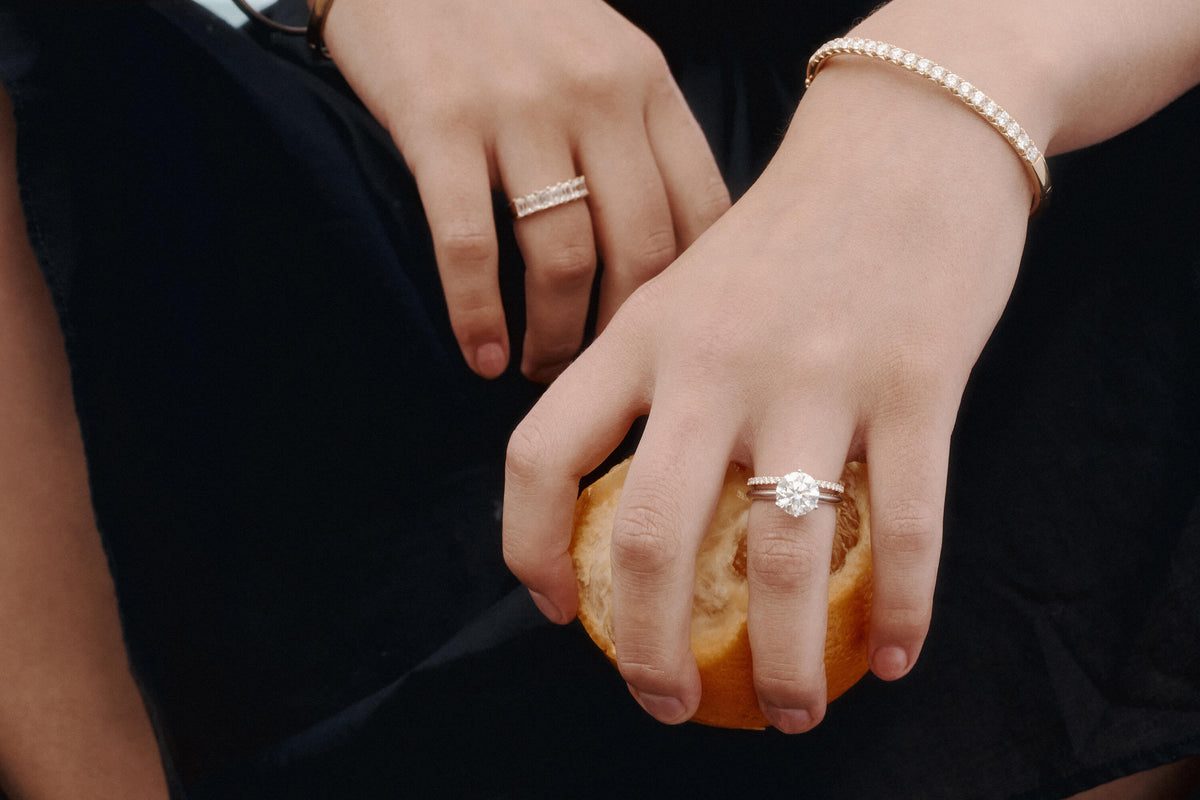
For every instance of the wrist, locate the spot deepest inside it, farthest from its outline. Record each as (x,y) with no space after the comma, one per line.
(1000,48)
(882,129)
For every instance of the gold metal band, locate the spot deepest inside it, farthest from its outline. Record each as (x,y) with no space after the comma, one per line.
(972,96)
(315,33)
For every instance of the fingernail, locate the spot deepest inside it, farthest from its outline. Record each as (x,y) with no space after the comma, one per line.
(546,607)
(490,360)
(789,720)
(889,663)
(662,707)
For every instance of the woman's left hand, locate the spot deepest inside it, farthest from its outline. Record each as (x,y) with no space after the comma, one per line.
(834,313)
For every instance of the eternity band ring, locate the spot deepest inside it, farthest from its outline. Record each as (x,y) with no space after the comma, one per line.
(549,197)
(797,493)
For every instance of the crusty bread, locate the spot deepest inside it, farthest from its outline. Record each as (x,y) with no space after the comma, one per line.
(719,639)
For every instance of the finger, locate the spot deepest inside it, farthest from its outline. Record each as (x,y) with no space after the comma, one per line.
(788,571)
(695,189)
(559,253)
(452,179)
(907,469)
(630,213)
(580,419)
(664,510)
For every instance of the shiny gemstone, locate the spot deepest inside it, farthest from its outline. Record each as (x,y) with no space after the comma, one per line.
(797,493)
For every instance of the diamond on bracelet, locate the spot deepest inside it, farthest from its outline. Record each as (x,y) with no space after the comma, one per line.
(968,93)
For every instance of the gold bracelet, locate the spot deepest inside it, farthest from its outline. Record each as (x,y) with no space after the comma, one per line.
(974,98)
(316,26)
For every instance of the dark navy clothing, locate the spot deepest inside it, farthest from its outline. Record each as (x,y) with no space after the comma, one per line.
(298,481)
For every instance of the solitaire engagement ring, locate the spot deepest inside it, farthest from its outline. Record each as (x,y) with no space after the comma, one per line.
(549,197)
(797,493)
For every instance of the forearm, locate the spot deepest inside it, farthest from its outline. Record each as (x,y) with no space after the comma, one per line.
(72,722)
(1074,72)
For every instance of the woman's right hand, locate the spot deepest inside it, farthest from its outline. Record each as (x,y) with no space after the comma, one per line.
(515,97)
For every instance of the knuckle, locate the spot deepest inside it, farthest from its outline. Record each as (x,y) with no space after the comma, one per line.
(609,73)
(646,539)
(519,561)
(568,267)
(788,685)
(647,669)
(907,527)
(784,560)
(467,245)
(648,58)
(656,252)
(527,454)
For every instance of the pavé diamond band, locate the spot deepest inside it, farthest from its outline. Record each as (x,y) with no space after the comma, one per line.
(549,197)
(972,96)
(797,493)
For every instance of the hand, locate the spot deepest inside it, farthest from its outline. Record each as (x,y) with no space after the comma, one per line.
(834,313)
(515,97)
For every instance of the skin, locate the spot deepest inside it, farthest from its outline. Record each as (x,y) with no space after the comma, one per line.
(518,110)
(834,313)
(72,722)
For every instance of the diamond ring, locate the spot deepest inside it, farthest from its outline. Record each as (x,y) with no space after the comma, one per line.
(549,197)
(797,493)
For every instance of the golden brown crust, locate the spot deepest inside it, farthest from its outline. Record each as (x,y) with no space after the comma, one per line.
(720,641)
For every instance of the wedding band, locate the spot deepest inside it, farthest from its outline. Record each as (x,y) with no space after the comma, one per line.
(797,493)
(549,197)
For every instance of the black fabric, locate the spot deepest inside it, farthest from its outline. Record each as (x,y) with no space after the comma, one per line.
(298,481)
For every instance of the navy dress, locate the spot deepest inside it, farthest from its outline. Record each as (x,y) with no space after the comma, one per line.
(298,481)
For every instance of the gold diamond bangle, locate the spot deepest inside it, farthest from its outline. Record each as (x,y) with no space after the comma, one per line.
(1031,157)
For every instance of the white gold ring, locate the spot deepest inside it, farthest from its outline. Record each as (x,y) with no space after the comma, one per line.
(797,493)
(549,197)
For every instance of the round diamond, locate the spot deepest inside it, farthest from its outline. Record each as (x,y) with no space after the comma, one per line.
(937,73)
(1032,153)
(951,81)
(882,48)
(1002,118)
(910,59)
(991,108)
(924,65)
(965,88)
(896,54)
(978,99)
(1013,129)
(797,493)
